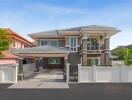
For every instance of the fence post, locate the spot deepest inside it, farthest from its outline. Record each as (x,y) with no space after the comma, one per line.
(2,73)
(121,76)
(79,69)
(94,73)
(16,73)
(67,72)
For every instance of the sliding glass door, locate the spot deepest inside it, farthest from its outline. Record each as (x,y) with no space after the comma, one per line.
(73,43)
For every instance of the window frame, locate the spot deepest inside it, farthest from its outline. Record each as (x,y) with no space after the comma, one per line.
(73,46)
(94,58)
(54,60)
(50,42)
(90,43)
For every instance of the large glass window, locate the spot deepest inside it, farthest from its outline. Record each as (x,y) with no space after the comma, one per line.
(93,43)
(93,61)
(53,43)
(73,43)
(53,60)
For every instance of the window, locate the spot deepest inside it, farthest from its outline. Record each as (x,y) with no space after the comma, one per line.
(14,44)
(53,43)
(93,61)
(93,43)
(38,42)
(53,60)
(73,43)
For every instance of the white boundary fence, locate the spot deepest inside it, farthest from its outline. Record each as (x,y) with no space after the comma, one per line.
(104,74)
(8,74)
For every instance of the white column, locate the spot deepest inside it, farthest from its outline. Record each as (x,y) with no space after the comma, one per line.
(67,72)
(79,68)
(2,73)
(16,73)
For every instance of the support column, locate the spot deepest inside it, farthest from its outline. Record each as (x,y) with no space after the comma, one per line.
(107,47)
(20,69)
(65,68)
(65,61)
(36,64)
(107,43)
(84,55)
(43,63)
(67,73)
(84,59)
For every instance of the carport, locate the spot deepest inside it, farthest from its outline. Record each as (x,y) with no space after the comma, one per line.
(50,58)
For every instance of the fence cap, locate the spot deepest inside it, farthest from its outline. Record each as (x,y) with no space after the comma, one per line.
(79,64)
(68,64)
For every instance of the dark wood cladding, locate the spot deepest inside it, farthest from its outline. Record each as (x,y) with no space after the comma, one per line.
(93,55)
(53,66)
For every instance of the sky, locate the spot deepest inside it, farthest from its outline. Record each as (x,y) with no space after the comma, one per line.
(29,16)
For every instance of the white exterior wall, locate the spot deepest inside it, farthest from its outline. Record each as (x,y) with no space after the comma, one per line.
(104,74)
(8,75)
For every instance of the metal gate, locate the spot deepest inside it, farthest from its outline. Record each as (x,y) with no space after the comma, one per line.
(73,72)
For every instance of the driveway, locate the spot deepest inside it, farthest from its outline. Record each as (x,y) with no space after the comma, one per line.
(48,78)
(75,92)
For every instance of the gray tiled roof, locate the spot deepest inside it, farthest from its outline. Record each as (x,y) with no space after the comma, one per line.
(91,27)
(56,33)
(41,49)
(52,32)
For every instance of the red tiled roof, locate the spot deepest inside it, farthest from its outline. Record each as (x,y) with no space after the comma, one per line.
(9,56)
(12,33)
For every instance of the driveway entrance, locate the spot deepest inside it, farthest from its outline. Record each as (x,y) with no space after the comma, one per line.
(45,78)
(47,75)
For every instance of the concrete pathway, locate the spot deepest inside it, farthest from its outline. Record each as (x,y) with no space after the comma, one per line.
(50,78)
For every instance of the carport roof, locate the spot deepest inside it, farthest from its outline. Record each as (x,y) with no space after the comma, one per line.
(40,50)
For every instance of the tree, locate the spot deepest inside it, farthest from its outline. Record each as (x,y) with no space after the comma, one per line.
(120,53)
(5,41)
(128,58)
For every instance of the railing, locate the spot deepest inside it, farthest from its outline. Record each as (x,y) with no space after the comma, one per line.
(91,51)
(104,74)
(94,51)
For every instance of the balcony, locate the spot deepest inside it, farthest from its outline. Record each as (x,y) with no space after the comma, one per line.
(96,50)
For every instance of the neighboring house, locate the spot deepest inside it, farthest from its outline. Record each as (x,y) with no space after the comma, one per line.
(88,46)
(17,42)
(129,46)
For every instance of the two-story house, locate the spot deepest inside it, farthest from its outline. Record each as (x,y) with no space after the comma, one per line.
(88,45)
